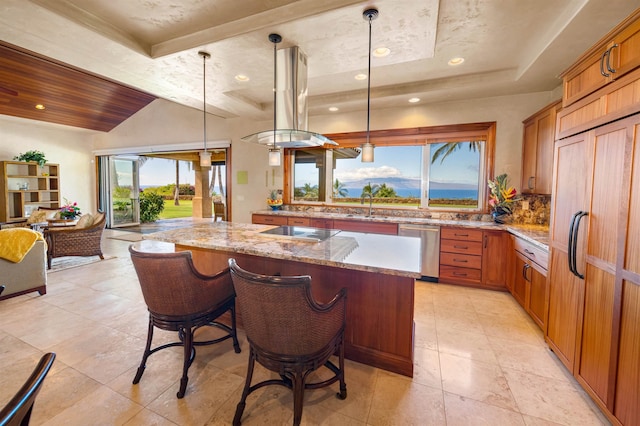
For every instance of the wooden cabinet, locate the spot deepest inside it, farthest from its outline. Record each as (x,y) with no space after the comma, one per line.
(298,221)
(529,280)
(25,186)
(611,58)
(593,300)
(537,150)
(366,226)
(473,257)
(318,222)
(266,219)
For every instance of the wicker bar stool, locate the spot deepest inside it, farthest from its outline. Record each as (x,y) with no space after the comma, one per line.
(289,333)
(182,299)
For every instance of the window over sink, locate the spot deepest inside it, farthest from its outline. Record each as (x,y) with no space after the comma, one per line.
(442,168)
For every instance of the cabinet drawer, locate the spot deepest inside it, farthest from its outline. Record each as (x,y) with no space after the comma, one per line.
(461,260)
(269,220)
(463,234)
(299,221)
(462,247)
(452,273)
(321,223)
(531,252)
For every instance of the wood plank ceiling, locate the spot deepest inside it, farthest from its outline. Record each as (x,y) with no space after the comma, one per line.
(71,96)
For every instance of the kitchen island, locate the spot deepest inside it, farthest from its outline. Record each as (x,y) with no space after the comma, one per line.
(378,272)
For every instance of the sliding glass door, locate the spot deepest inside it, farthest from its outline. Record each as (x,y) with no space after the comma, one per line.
(124,190)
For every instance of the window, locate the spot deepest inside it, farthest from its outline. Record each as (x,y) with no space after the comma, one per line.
(442,168)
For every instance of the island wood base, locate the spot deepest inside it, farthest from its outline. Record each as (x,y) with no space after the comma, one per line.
(379,329)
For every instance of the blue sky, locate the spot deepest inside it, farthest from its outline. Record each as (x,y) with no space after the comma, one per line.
(158,172)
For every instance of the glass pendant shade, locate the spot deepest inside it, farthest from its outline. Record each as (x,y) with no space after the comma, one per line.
(274,157)
(205,159)
(367,153)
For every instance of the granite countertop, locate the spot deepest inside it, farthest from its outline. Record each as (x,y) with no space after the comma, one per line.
(537,235)
(387,254)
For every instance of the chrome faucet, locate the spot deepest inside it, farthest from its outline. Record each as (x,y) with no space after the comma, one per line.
(367,194)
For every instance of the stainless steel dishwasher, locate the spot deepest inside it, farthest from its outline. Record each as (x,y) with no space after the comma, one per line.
(430,246)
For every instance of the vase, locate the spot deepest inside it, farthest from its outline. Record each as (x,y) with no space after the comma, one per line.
(275,206)
(501,215)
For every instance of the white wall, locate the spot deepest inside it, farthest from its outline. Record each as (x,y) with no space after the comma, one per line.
(67,146)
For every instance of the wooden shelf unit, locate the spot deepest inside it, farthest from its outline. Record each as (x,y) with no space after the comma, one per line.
(25,186)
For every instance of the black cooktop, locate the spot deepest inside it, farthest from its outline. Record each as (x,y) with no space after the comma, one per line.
(301,232)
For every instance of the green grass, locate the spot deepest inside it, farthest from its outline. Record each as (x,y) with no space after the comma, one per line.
(170,211)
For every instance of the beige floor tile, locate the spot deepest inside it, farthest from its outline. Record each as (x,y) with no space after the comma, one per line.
(465,344)
(271,405)
(518,329)
(536,421)
(476,380)
(535,359)
(463,411)
(426,367)
(554,400)
(452,319)
(400,401)
(426,335)
(148,418)
(207,390)
(100,407)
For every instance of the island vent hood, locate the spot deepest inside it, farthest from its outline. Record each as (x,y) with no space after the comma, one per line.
(291,119)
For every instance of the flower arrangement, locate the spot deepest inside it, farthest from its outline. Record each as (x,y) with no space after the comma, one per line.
(502,196)
(37,156)
(275,199)
(70,210)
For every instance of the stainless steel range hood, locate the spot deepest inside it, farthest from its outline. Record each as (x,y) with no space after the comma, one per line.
(291,105)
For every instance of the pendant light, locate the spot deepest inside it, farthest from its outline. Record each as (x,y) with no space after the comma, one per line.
(205,156)
(274,152)
(367,148)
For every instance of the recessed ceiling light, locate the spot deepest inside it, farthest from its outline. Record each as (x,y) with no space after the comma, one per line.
(40,106)
(333,109)
(381,52)
(414,100)
(455,61)
(242,77)
(360,76)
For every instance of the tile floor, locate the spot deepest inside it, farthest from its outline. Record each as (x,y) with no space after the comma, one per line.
(479,360)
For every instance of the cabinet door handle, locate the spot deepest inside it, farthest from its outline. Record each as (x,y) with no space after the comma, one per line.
(572,225)
(575,245)
(529,184)
(525,267)
(461,247)
(459,274)
(461,235)
(529,252)
(460,260)
(608,52)
(486,238)
(604,74)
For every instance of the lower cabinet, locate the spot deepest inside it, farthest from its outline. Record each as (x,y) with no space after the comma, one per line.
(266,219)
(473,257)
(529,280)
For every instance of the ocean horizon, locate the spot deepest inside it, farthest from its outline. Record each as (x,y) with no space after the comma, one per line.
(452,194)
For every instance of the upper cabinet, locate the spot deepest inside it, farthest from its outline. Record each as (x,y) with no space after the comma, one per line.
(25,186)
(615,55)
(537,150)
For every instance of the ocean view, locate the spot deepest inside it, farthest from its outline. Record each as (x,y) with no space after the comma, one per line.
(452,194)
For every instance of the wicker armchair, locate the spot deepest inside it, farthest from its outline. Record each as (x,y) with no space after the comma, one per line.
(289,333)
(74,240)
(180,298)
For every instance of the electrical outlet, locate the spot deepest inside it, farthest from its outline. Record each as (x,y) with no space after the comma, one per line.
(525,205)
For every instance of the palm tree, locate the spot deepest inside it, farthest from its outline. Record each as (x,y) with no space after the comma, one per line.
(449,148)
(370,189)
(310,191)
(386,192)
(339,190)
(176,193)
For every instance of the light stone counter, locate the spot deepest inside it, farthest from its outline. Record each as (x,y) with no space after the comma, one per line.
(386,254)
(535,234)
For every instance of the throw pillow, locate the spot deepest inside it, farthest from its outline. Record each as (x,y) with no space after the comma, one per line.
(85,221)
(37,216)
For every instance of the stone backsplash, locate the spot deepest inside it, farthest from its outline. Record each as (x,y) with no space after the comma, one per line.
(536,214)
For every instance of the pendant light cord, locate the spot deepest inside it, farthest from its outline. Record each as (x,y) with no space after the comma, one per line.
(205,56)
(371,17)
(275,72)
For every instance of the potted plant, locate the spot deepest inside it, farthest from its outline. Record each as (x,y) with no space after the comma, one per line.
(501,198)
(37,156)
